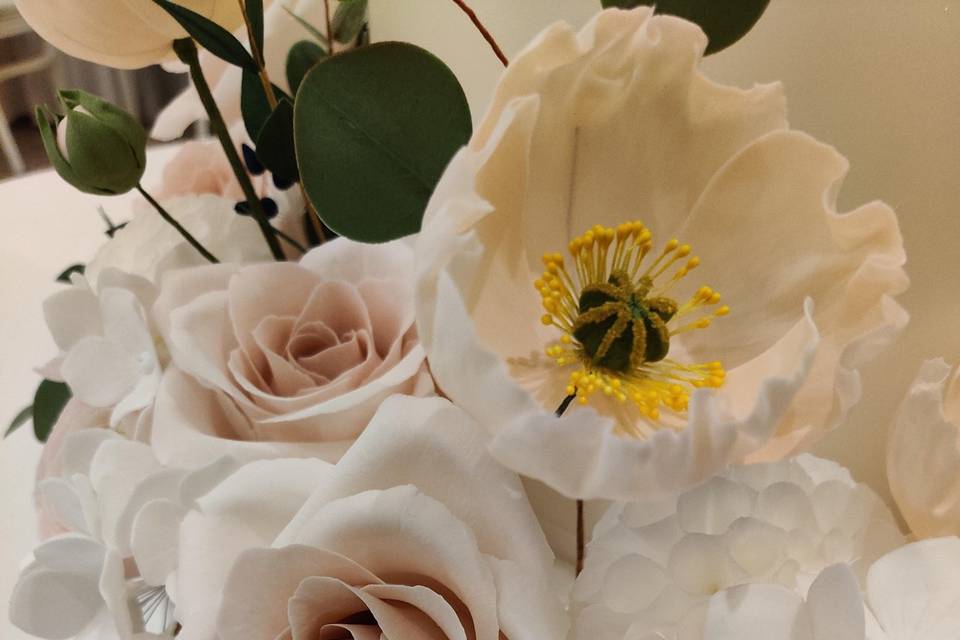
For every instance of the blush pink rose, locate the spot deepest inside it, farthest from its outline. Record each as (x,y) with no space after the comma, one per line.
(285,359)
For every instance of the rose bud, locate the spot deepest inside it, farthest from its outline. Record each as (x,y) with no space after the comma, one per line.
(97,147)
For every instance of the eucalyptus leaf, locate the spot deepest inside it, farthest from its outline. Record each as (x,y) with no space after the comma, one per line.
(348,20)
(302,57)
(724,21)
(275,147)
(48,404)
(69,271)
(210,35)
(375,127)
(21,419)
(254,105)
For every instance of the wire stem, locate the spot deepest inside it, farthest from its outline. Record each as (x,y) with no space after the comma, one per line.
(483,31)
(176,225)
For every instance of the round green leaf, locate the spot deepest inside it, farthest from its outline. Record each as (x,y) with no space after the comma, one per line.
(303,55)
(724,21)
(374,129)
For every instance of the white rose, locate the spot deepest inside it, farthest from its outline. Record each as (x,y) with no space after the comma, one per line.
(126,34)
(923,453)
(652,568)
(615,126)
(285,359)
(385,545)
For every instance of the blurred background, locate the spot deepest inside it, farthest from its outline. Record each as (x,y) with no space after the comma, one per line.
(29,71)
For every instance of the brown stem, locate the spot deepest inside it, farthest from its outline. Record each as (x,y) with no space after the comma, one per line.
(483,30)
(580,544)
(326,13)
(258,57)
(580,537)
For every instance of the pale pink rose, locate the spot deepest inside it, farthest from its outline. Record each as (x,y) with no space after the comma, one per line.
(384,545)
(285,359)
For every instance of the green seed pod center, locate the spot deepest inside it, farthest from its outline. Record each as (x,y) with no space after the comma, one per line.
(619,327)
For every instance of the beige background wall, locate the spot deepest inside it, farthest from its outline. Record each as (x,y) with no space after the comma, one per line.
(879,79)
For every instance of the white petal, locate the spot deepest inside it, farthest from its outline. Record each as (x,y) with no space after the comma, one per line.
(100,372)
(835,605)
(923,456)
(54,605)
(757,612)
(913,591)
(425,442)
(154,540)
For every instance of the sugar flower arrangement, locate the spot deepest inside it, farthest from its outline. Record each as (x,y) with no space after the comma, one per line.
(360,370)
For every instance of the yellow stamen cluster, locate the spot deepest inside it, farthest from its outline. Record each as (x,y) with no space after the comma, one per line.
(603,256)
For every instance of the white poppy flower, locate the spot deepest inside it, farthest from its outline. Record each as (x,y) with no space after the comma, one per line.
(652,567)
(108,350)
(923,453)
(107,576)
(383,545)
(603,154)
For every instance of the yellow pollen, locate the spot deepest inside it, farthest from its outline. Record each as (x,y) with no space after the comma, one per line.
(616,321)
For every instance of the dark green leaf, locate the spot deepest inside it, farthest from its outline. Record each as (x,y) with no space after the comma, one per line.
(312,30)
(348,19)
(48,403)
(255,15)
(724,21)
(254,105)
(275,144)
(375,128)
(210,35)
(69,271)
(21,419)
(303,55)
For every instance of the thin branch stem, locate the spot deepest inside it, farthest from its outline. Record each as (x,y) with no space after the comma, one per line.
(176,225)
(483,30)
(326,13)
(187,52)
(580,537)
(258,57)
(293,243)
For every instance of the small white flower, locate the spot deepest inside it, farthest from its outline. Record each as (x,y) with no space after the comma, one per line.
(109,575)
(108,345)
(652,568)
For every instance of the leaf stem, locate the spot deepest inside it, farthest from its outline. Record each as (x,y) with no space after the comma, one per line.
(186,50)
(176,225)
(580,537)
(483,30)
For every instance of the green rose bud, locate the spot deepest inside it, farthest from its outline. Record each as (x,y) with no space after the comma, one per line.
(97,147)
